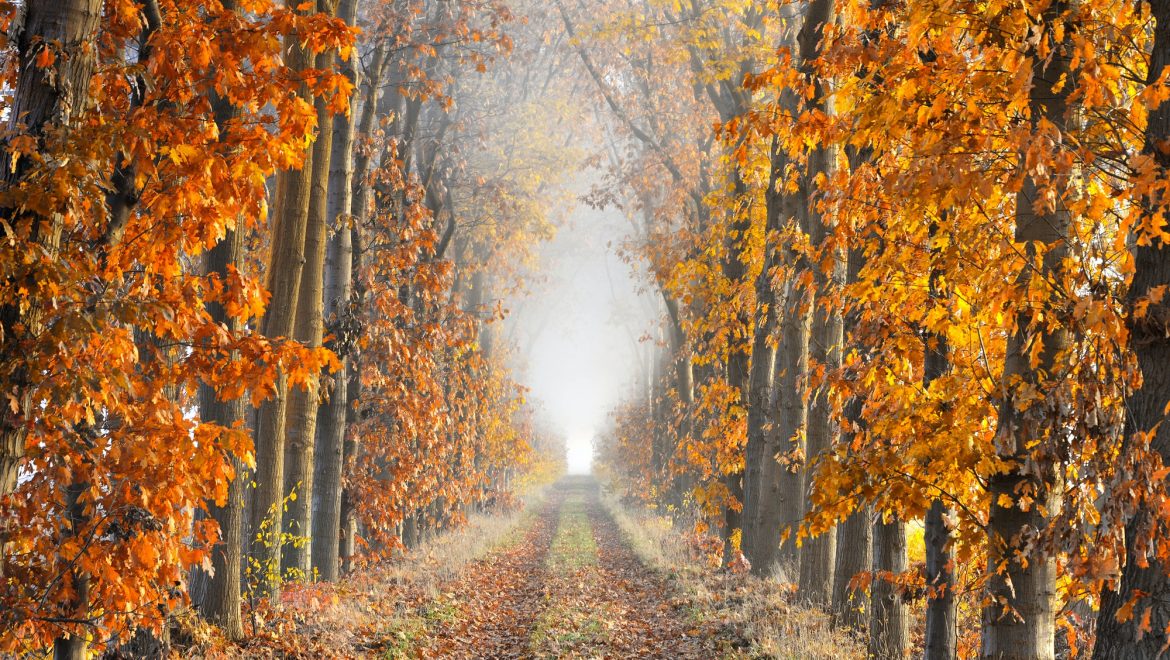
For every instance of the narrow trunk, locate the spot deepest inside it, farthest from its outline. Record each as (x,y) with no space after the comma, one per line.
(1019,622)
(889,631)
(942,632)
(362,194)
(855,533)
(75,645)
(1150,339)
(737,373)
(941,609)
(762,378)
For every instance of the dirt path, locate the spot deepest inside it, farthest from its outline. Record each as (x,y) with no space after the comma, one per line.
(569,588)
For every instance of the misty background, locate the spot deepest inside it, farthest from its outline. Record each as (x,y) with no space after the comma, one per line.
(580,330)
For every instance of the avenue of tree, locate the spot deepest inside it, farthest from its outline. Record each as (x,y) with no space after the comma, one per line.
(914,345)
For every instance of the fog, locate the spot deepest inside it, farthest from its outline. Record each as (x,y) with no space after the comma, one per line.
(579,329)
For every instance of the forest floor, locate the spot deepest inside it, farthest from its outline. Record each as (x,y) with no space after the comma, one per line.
(569,578)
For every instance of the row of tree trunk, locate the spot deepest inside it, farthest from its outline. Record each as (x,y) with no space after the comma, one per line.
(790,423)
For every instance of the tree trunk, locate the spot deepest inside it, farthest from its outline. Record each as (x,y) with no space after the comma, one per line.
(854,556)
(301,434)
(762,378)
(362,194)
(942,632)
(941,609)
(1019,622)
(1150,339)
(782,485)
(889,630)
(44,98)
(284,281)
(855,533)
(338,287)
(220,601)
(817,556)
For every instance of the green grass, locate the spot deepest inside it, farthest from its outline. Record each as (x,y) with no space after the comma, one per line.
(573,547)
(571,558)
(401,636)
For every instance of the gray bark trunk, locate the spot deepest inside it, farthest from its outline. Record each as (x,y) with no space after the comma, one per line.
(817,556)
(44,98)
(763,372)
(889,631)
(1020,621)
(338,288)
(301,436)
(285,266)
(1150,339)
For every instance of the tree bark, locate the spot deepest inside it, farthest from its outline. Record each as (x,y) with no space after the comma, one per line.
(220,602)
(817,556)
(855,533)
(301,435)
(362,195)
(284,281)
(44,98)
(941,609)
(1150,339)
(1019,622)
(854,556)
(782,486)
(763,371)
(889,630)
(338,288)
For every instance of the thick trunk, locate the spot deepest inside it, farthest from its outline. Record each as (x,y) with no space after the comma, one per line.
(889,631)
(338,287)
(782,502)
(1019,622)
(854,556)
(219,595)
(1150,339)
(817,556)
(759,423)
(782,484)
(44,98)
(284,281)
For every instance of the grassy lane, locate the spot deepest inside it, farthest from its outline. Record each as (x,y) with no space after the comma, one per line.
(567,585)
(574,622)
